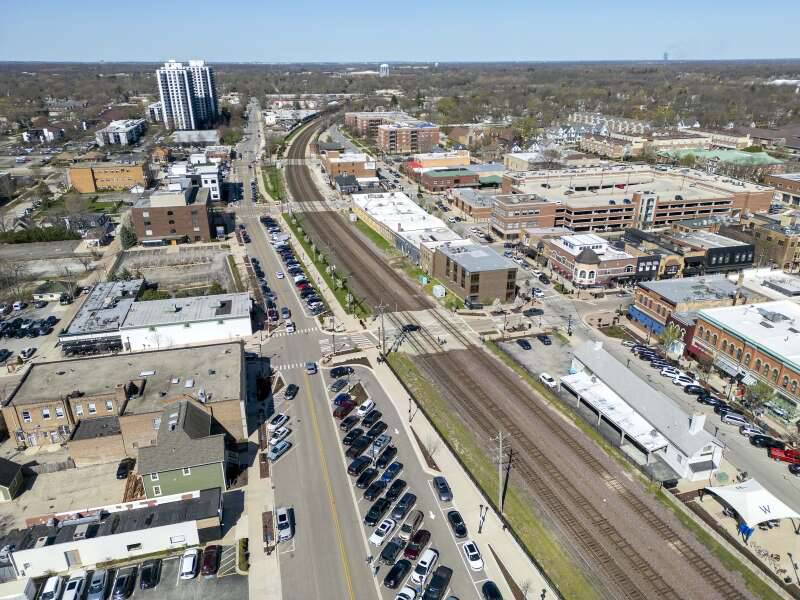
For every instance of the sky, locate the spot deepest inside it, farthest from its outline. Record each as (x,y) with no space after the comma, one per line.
(411,30)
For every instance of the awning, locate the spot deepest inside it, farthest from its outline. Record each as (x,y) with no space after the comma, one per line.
(726,365)
(754,503)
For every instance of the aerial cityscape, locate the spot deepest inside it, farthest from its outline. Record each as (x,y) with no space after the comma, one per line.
(357,309)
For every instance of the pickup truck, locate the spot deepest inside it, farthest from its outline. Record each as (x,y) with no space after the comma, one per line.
(792,455)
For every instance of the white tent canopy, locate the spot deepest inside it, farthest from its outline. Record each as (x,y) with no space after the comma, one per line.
(753,502)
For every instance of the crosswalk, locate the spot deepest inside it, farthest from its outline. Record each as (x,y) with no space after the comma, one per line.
(288,366)
(346,342)
(284,333)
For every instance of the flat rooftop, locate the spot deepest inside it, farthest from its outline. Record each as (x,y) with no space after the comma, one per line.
(105,308)
(705,239)
(351,157)
(474,198)
(177,509)
(123,125)
(770,283)
(475,258)
(169,375)
(692,289)
(166,198)
(788,176)
(397,212)
(187,310)
(96,427)
(774,327)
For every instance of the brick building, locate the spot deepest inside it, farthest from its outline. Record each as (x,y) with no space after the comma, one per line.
(588,260)
(514,214)
(440,180)
(173,216)
(403,137)
(787,186)
(356,164)
(475,273)
(87,178)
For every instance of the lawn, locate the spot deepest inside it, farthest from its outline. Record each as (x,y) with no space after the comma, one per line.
(237,278)
(376,238)
(273,181)
(537,539)
(359,309)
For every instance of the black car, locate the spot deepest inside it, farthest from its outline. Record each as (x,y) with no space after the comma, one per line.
(410,328)
(125,466)
(348,423)
(395,489)
(544,278)
(376,512)
(372,417)
(356,448)
(124,583)
(457,524)
(338,386)
(401,509)
(351,436)
(722,407)
(291,391)
(708,399)
(4,354)
(524,344)
(438,583)
(765,441)
(544,339)
(151,573)
(391,551)
(374,490)
(490,591)
(337,372)
(377,429)
(385,458)
(366,478)
(397,574)
(358,465)
(794,469)
(695,390)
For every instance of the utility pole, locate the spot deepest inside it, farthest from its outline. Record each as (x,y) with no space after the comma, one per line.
(500,439)
(381,308)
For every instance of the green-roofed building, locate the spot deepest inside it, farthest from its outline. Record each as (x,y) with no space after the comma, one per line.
(726,161)
(439,180)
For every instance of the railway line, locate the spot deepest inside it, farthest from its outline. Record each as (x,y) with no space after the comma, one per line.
(371,278)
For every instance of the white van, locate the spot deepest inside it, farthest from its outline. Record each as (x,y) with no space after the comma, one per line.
(51,589)
(734,419)
(425,566)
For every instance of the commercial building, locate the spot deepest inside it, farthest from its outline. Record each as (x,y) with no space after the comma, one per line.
(111,320)
(87,178)
(475,273)
(655,301)
(608,147)
(402,222)
(440,180)
(621,196)
(437,160)
(787,187)
(357,164)
(63,542)
(407,136)
(758,342)
(725,138)
(514,214)
(474,204)
(186,455)
(588,260)
(121,133)
(645,420)
(197,172)
(155,112)
(52,398)
(776,238)
(188,95)
(172,216)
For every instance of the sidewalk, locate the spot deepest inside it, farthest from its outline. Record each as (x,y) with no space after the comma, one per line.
(467,495)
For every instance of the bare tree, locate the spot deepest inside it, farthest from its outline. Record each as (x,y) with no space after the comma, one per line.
(433,443)
(525,587)
(13,276)
(86,262)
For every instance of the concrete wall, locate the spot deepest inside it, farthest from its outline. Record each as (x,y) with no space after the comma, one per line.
(153,338)
(38,562)
(202,477)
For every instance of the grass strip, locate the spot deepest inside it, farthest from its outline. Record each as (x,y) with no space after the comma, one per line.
(273,181)
(358,309)
(237,278)
(538,540)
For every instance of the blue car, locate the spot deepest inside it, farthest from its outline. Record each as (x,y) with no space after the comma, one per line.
(392,471)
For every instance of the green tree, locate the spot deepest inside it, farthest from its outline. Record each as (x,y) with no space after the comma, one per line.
(759,394)
(127,237)
(688,160)
(394,101)
(668,336)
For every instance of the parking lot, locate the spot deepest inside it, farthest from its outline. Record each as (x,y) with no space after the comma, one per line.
(230,587)
(44,344)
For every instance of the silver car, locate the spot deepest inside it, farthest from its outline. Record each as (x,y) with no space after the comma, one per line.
(98,585)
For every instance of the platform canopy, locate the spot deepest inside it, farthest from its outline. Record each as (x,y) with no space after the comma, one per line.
(753,502)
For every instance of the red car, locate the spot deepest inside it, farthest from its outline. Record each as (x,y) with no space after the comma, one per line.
(417,544)
(790,456)
(210,564)
(344,409)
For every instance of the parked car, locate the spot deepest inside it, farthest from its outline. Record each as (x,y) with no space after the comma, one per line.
(280,434)
(98,585)
(425,566)
(750,430)
(348,423)
(765,441)
(51,589)
(151,574)
(695,390)
(125,466)
(473,555)
(411,524)
(27,353)
(351,436)
(291,391)
(189,563)
(732,418)
(371,418)
(278,450)
(366,478)
(284,522)
(417,544)
(342,371)
(73,590)
(548,381)
(394,491)
(490,591)
(365,407)
(524,344)
(376,512)
(358,465)
(457,524)
(374,490)
(545,339)
(211,556)
(794,469)
(443,490)
(391,551)
(387,457)
(438,584)
(684,380)
(338,385)
(382,532)
(407,593)
(124,583)
(397,574)
(277,422)
(392,471)
(342,398)
(404,505)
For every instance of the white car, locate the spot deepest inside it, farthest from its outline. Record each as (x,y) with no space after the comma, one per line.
(684,380)
(365,407)
(290,326)
(548,380)
(473,555)
(407,593)
(382,532)
(189,563)
(628,344)
(277,422)
(538,293)
(279,274)
(536,272)
(279,434)
(27,353)
(74,588)
(671,372)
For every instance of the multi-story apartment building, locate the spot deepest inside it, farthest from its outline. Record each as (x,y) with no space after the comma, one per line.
(787,187)
(726,138)
(513,214)
(42,135)
(155,112)
(365,124)
(588,260)
(122,133)
(188,95)
(609,147)
(609,122)
(409,136)
(173,216)
(87,178)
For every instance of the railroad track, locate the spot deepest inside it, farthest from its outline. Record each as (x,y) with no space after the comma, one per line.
(372,278)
